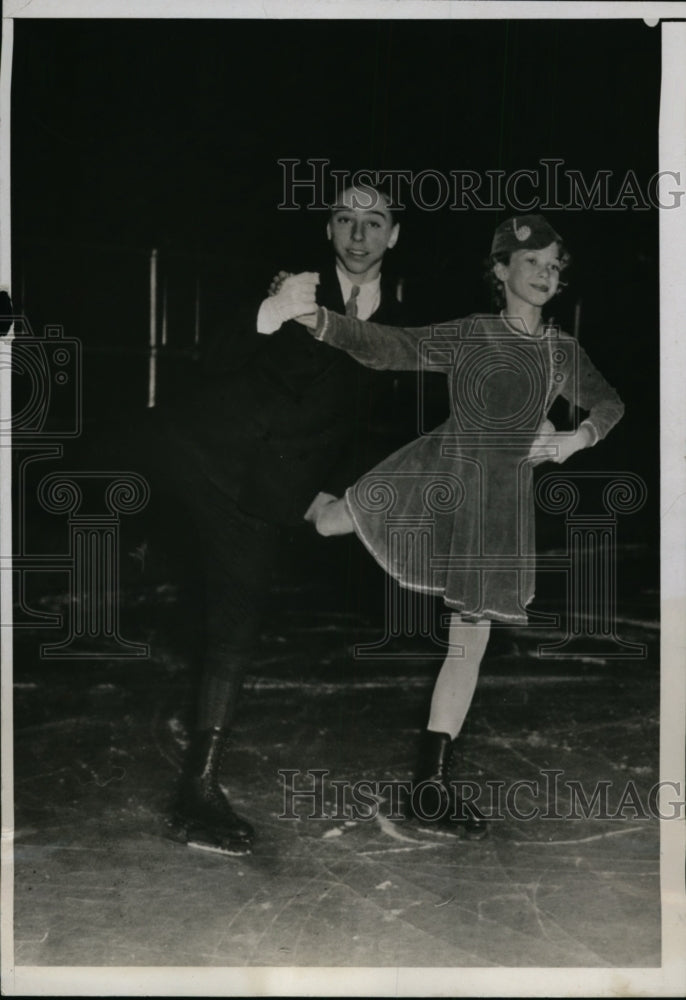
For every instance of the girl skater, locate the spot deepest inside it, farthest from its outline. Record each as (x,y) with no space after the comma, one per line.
(451,513)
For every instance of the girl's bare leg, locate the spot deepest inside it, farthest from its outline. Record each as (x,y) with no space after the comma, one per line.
(435,798)
(457,679)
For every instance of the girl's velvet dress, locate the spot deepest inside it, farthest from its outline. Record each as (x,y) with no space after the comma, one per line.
(452,513)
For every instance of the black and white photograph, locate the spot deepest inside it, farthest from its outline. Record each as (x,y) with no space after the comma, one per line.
(343,502)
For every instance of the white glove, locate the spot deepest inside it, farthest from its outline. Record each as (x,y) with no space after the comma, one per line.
(296,297)
(277,281)
(542,448)
(555,446)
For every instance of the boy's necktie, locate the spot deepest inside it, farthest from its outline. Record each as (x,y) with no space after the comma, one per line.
(351,304)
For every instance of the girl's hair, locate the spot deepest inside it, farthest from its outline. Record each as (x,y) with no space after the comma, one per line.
(496,285)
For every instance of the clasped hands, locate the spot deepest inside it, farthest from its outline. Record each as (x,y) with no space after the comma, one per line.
(293,296)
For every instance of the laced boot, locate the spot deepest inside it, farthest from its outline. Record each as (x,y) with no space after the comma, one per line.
(434,797)
(203,815)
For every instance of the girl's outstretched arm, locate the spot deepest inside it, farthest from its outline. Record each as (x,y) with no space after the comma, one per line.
(392,348)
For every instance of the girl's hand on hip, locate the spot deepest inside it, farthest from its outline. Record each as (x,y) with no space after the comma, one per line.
(542,448)
(557,446)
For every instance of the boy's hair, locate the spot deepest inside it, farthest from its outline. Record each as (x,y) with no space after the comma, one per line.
(503,257)
(379,189)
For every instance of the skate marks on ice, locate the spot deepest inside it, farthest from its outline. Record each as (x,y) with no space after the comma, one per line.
(97,756)
(103,880)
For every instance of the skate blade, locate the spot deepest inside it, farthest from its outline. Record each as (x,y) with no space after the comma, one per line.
(454,831)
(182,834)
(475,834)
(438,831)
(232,850)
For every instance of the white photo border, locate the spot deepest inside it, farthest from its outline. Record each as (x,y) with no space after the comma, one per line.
(670,978)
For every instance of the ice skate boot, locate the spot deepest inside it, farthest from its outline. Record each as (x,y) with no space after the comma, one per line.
(203,816)
(434,800)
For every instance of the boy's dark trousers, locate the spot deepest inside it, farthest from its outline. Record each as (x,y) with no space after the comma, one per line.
(238,463)
(225,559)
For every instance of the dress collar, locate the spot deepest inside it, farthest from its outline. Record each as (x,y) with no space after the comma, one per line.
(520,328)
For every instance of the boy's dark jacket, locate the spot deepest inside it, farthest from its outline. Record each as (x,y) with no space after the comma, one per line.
(281,417)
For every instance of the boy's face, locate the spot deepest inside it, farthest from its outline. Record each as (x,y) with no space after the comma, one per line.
(532,276)
(361,229)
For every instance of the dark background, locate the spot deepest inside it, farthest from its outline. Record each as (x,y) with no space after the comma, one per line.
(129,135)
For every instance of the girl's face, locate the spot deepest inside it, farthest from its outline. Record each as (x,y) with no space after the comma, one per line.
(532,276)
